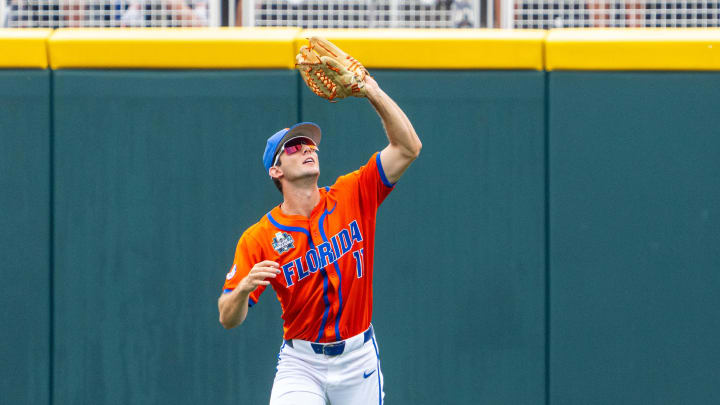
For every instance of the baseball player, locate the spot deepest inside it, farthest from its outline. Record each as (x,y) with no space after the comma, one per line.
(315,249)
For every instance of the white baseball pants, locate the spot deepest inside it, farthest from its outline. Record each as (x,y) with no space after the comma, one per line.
(305,377)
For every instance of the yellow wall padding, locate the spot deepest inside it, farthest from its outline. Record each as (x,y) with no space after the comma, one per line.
(248,48)
(438,48)
(633,49)
(173,48)
(26,48)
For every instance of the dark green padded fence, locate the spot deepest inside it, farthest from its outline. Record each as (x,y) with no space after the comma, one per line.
(635,238)
(160,175)
(25,236)
(155,174)
(459,266)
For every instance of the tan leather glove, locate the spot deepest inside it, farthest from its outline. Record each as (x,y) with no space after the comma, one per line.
(329,72)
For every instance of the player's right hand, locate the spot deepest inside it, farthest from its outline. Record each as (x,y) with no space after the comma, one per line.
(258,276)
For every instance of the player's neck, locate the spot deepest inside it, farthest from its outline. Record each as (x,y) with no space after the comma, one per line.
(299,200)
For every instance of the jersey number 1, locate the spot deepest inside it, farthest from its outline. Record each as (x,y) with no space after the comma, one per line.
(358,255)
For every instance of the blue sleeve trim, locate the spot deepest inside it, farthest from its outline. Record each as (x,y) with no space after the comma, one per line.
(384,179)
(250,300)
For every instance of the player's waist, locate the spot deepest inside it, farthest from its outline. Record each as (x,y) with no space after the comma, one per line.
(334,348)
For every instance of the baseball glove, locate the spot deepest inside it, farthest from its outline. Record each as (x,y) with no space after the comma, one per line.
(329,72)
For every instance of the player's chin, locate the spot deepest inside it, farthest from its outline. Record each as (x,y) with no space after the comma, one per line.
(308,173)
(311,170)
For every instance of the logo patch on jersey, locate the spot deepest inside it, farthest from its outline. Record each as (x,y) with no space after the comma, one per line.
(283,242)
(231,274)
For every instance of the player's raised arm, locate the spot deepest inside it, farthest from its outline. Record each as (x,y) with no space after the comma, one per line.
(333,74)
(404,146)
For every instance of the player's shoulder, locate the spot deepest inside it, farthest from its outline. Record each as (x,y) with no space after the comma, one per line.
(258,230)
(353,176)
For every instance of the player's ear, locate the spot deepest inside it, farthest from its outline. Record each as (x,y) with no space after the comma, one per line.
(275,172)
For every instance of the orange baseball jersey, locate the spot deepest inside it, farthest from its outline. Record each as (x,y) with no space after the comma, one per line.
(326,261)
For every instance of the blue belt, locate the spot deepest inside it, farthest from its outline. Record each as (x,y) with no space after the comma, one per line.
(334,349)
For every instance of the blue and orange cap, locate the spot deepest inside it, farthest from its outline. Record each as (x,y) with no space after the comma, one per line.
(309,130)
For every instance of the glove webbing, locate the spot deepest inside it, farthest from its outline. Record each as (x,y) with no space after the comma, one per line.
(322,77)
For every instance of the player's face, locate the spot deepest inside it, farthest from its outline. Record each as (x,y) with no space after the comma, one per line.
(299,159)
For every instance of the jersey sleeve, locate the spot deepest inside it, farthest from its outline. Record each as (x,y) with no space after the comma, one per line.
(369,183)
(246,256)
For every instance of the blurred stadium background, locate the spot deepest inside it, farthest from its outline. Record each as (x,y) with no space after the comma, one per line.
(542,14)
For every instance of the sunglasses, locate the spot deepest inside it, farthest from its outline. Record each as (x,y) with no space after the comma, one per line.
(295,145)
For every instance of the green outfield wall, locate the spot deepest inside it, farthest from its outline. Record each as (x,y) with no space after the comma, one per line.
(25,204)
(157,175)
(634,237)
(459,267)
(556,242)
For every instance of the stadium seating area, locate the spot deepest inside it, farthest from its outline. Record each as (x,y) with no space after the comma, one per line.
(105,13)
(546,14)
(368,14)
(538,14)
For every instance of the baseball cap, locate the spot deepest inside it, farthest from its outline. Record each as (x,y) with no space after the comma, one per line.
(309,130)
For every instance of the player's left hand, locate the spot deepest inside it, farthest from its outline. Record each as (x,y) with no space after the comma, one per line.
(329,72)
(258,276)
